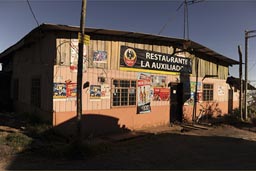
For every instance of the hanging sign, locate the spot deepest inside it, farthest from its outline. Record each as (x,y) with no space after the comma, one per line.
(134,59)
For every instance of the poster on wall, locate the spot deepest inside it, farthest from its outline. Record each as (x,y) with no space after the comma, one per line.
(95,92)
(161,94)
(105,91)
(190,101)
(221,91)
(149,61)
(100,56)
(160,90)
(59,90)
(71,90)
(74,56)
(144,98)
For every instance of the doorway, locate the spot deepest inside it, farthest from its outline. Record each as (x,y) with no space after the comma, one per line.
(176,102)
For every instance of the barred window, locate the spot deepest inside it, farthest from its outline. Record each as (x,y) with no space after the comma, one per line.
(207,92)
(124,93)
(36,92)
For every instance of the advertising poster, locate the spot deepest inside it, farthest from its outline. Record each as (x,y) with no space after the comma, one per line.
(71,90)
(190,101)
(144,86)
(221,91)
(161,94)
(105,91)
(59,90)
(74,56)
(193,86)
(100,56)
(134,59)
(160,90)
(95,92)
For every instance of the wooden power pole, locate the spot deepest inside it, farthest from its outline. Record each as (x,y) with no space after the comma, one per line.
(80,68)
(241,82)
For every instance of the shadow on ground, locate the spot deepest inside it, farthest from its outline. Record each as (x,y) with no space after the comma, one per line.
(161,151)
(61,142)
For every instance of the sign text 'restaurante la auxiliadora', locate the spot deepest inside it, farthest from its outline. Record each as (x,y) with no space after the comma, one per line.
(142,59)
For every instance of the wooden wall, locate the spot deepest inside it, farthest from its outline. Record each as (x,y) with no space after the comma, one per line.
(112,47)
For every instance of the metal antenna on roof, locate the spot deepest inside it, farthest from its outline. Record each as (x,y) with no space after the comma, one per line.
(186,23)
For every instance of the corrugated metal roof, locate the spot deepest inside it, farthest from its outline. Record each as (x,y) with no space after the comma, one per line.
(199,50)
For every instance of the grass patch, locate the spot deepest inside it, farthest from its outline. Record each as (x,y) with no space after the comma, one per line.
(17,141)
(32,136)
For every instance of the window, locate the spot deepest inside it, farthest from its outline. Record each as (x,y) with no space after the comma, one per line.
(36,92)
(124,93)
(207,92)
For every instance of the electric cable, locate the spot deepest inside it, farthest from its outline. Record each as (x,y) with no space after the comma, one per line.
(170,19)
(31,10)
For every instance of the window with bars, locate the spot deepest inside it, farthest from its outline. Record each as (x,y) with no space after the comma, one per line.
(207,92)
(123,93)
(36,92)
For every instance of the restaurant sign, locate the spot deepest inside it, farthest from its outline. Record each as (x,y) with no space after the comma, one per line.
(134,59)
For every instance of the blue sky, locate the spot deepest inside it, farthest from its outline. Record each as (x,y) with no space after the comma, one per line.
(218,25)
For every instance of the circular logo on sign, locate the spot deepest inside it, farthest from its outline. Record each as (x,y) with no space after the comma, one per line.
(130,57)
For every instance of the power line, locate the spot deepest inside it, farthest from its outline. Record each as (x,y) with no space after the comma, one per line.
(31,10)
(170,19)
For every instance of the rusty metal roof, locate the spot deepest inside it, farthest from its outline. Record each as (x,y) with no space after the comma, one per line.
(198,49)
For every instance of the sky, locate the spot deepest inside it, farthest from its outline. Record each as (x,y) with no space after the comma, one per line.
(217,24)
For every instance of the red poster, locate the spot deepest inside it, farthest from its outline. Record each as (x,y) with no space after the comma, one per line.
(71,89)
(161,94)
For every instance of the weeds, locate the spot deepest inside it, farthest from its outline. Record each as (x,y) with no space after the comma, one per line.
(17,141)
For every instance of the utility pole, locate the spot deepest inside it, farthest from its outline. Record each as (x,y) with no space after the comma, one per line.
(247,36)
(241,82)
(186,29)
(80,69)
(245,74)
(195,93)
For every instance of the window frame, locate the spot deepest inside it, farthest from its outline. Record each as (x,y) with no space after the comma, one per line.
(208,92)
(119,91)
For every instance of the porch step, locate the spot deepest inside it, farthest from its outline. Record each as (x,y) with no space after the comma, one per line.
(187,127)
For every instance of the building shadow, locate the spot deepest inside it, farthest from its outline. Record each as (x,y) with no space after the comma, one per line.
(172,151)
(63,138)
(92,125)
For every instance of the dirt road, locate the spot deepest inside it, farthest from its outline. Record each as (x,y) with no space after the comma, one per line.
(223,147)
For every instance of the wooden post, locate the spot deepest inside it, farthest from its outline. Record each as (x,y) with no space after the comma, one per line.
(80,69)
(241,83)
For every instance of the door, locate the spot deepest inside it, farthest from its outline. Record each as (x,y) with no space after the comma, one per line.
(176,102)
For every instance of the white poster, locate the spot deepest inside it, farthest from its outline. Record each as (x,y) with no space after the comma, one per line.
(74,56)
(221,91)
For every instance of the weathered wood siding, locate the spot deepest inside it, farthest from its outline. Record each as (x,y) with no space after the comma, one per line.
(112,47)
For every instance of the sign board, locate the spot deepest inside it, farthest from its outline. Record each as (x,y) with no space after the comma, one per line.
(134,59)
(86,39)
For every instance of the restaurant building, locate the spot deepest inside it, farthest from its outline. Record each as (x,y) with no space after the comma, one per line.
(131,80)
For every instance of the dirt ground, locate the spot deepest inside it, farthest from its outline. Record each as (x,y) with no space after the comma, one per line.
(221,147)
